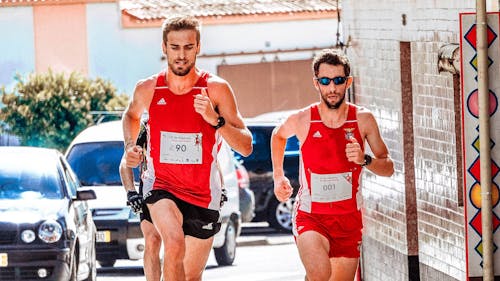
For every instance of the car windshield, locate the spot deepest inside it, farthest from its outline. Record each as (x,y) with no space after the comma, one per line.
(97,163)
(29,176)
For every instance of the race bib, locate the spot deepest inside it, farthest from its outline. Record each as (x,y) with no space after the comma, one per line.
(331,187)
(180,148)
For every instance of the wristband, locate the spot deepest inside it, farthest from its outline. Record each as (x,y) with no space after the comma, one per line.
(220,122)
(368,160)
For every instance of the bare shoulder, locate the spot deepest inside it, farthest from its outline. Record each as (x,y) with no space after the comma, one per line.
(221,94)
(364,114)
(143,94)
(217,84)
(296,124)
(366,121)
(301,116)
(145,86)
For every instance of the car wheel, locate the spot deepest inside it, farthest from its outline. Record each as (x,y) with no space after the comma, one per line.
(225,255)
(280,215)
(107,263)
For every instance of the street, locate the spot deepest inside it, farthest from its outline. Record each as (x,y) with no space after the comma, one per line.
(262,255)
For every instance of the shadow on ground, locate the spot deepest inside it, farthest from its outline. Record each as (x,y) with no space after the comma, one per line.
(121,270)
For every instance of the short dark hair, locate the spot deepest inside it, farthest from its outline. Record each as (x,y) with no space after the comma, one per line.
(181,23)
(333,57)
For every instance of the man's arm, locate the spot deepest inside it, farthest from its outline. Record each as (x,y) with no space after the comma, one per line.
(134,199)
(221,97)
(131,119)
(282,188)
(381,164)
(127,176)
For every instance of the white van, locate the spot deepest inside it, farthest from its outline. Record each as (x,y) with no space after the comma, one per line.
(95,156)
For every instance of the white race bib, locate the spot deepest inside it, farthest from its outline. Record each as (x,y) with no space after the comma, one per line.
(331,187)
(180,148)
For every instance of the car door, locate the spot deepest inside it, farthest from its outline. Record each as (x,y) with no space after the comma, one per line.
(78,211)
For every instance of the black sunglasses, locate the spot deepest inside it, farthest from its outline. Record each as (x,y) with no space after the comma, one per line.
(325,81)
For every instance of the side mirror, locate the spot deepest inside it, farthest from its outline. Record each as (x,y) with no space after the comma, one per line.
(85,194)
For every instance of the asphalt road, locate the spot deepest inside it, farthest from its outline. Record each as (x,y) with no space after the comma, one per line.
(262,255)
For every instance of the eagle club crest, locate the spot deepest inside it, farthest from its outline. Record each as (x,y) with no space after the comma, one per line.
(349,133)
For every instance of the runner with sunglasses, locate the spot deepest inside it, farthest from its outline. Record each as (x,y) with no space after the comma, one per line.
(327,215)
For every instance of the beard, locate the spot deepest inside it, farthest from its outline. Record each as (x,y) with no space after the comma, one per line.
(333,105)
(181,71)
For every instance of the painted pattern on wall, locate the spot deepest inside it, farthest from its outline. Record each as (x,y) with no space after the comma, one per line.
(471,137)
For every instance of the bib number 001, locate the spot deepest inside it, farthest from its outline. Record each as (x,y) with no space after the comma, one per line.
(327,188)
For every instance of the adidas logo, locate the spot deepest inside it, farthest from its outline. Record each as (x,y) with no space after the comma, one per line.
(145,196)
(208,226)
(161,102)
(317,135)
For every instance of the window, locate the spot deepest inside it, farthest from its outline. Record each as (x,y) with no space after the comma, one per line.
(98,163)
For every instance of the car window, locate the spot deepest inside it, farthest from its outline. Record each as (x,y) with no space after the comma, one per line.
(97,163)
(70,179)
(71,184)
(262,142)
(292,146)
(29,176)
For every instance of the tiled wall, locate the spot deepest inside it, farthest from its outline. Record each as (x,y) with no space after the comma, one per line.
(376,29)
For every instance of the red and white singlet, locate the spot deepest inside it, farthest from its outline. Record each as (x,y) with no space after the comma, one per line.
(182,148)
(328,181)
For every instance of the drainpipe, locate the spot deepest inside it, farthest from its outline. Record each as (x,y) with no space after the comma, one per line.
(484,140)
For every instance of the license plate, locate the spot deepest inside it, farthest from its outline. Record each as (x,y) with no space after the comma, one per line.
(4,260)
(103,236)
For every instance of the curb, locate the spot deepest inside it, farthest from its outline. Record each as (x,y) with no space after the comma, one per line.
(245,241)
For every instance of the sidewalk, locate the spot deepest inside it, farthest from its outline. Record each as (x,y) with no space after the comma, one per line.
(259,234)
(261,240)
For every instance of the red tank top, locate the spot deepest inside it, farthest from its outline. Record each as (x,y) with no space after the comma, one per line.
(329,182)
(182,150)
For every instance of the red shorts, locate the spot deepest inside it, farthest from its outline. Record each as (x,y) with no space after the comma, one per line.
(342,231)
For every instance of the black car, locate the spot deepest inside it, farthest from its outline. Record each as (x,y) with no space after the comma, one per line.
(46,228)
(260,171)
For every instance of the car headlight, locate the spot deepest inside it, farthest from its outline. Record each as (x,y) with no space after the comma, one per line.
(28,236)
(50,231)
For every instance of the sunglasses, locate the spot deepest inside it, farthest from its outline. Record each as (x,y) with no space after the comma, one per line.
(325,81)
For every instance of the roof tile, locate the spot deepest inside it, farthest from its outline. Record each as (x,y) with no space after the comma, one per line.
(160,9)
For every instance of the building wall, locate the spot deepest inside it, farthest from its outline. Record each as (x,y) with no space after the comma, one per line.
(126,55)
(376,29)
(18,47)
(90,38)
(121,55)
(277,88)
(60,38)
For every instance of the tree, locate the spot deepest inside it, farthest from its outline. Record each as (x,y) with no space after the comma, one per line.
(51,109)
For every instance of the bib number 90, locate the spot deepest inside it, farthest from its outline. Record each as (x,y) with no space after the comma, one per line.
(180,147)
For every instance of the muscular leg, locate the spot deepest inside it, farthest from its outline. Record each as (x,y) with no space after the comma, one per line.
(197,252)
(152,266)
(168,222)
(313,250)
(343,269)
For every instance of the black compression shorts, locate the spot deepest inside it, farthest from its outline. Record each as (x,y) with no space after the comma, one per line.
(198,222)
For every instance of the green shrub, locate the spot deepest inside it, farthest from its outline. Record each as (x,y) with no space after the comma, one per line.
(50,109)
